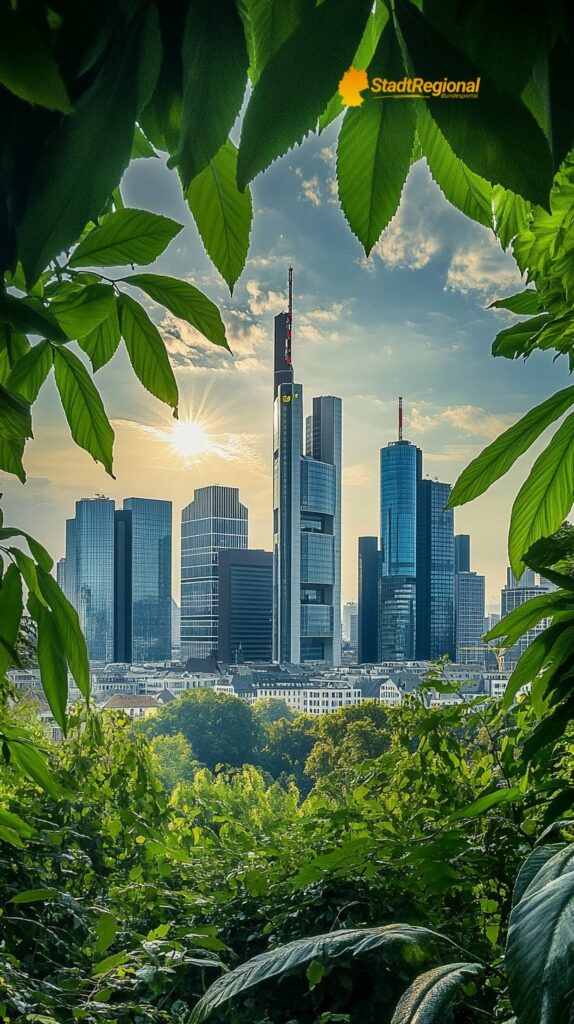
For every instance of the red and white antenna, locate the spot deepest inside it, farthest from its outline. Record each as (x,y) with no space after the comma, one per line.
(289,319)
(400,418)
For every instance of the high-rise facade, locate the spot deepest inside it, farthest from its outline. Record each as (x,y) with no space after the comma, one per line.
(245,605)
(150,594)
(400,474)
(92,575)
(213,521)
(515,593)
(435,572)
(306,515)
(368,604)
(469,605)
(462,552)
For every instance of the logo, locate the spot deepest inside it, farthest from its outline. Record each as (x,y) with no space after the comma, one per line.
(354,83)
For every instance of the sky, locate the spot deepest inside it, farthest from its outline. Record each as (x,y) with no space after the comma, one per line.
(411,320)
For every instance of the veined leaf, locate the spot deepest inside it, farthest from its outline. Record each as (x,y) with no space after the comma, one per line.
(27,569)
(14,821)
(83,407)
(545,498)
(462,187)
(551,728)
(101,343)
(374,153)
(540,951)
(10,614)
(39,552)
(27,67)
(184,301)
(11,452)
(430,995)
(30,371)
(106,931)
(500,796)
(15,418)
(83,310)
(267,25)
(530,868)
(375,24)
(34,895)
(521,619)
(498,458)
(511,214)
(222,213)
(215,62)
(141,147)
(33,764)
(51,659)
(126,236)
(109,964)
(147,351)
(552,642)
(524,303)
(277,118)
(517,341)
(30,317)
(68,625)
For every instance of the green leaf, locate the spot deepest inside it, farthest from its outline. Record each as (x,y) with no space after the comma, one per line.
(511,214)
(109,964)
(84,309)
(540,950)
(514,625)
(101,343)
(551,729)
(215,62)
(494,133)
(462,187)
(551,643)
(27,67)
(34,895)
(141,147)
(498,458)
(40,554)
(279,116)
(375,24)
(15,418)
(33,764)
(11,452)
(68,624)
(106,931)
(147,352)
(314,973)
(546,496)
(485,802)
(126,236)
(348,942)
(27,569)
(51,655)
(84,160)
(530,868)
(83,407)
(222,213)
(184,301)
(30,317)
(430,995)
(267,25)
(524,303)
(15,822)
(10,614)
(517,341)
(30,371)
(374,153)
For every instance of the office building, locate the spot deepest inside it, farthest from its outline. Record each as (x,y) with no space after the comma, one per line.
(306,515)
(462,552)
(123,586)
(349,609)
(469,605)
(214,521)
(400,474)
(91,578)
(148,578)
(435,572)
(245,606)
(368,604)
(515,593)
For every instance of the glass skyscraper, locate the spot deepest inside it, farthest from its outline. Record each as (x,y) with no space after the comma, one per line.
(245,605)
(90,573)
(515,593)
(306,517)
(435,572)
(213,521)
(367,612)
(150,552)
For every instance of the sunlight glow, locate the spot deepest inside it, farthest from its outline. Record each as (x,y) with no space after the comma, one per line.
(190,439)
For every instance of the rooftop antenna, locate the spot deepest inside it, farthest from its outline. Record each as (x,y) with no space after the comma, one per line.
(289,319)
(400,418)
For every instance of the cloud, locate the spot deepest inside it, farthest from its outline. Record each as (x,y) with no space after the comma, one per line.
(259,302)
(408,243)
(311,190)
(467,419)
(482,268)
(356,476)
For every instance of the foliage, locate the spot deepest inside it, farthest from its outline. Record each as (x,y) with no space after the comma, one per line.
(173,759)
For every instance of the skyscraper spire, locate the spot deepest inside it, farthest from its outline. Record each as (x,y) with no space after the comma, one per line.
(289,330)
(400,418)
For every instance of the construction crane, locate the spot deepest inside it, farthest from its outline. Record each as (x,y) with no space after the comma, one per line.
(498,652)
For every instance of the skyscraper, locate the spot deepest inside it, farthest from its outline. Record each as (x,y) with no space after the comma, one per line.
(150,595)
(245,605)
(306,515)
(367,612)
(213,521)
(515,593)
(462,552)
(435,572)
(92,576)
(469,590)
(400,474)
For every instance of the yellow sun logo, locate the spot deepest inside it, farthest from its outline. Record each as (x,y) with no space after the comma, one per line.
(352,84)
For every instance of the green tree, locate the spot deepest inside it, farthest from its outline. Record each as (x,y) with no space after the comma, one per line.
(269,710)
(173,759)
(347,737)
(220,728)
(286,747)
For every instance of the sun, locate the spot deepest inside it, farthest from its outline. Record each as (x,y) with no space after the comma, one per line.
(190,439)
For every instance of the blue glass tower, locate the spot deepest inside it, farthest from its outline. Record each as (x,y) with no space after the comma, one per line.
(435,572)
(149,553)
(92,577)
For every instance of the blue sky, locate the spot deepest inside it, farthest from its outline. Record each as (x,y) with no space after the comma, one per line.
(411,320)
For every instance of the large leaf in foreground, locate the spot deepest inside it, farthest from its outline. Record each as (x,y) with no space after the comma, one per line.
(462,187)
(545,498)
(285,104)
(101,343)
(69,630)
(147,352)
(126,236)
(348,942)
(540,951)
(51,659)
(15,417)
(27,67)
(185,301)
(10,615)
(222,213)
(30,371)
(83,407)
(498,458)
(11,453)
(430,995)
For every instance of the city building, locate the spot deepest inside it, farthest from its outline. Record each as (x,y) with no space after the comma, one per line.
(400,474)
(462,552)
(148,600)
(368,603)
(515,593)
(89,573)
(245,605)
(214,521)
(469,598)
(306,515)
(349,609)
(354,639)
(135,706)
(434,572)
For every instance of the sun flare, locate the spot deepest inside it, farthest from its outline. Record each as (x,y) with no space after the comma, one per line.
(190,439)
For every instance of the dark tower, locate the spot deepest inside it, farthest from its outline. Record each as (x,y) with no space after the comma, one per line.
(282,366)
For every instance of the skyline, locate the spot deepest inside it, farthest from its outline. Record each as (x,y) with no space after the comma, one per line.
(419,301)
